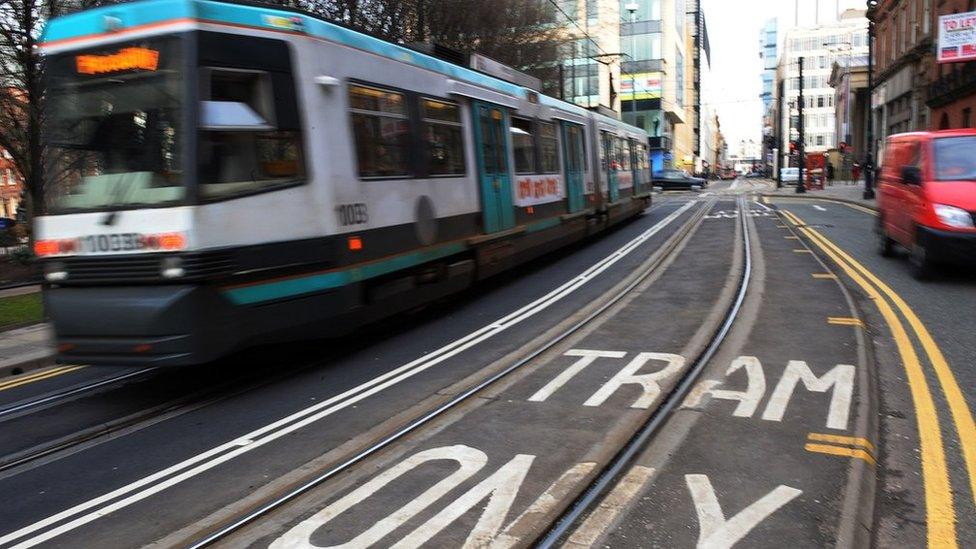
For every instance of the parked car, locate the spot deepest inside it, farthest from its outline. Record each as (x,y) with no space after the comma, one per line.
(790,175)
(754,175)
(677,179)
(927,198)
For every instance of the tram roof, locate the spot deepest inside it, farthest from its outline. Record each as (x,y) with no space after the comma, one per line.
(133,17)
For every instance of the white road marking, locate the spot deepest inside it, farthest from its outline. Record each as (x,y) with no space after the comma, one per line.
(557,491)
(840,378)
(501,489)
(607,511)
(818,207)
(648,382)
(748,399)
(189,468)
(587,358)
(715,532)
(470,461)
(763,206)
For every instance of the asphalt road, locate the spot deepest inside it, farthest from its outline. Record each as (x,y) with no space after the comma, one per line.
(809,424)
(945,307)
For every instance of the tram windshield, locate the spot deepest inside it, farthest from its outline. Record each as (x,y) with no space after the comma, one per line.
(113,128)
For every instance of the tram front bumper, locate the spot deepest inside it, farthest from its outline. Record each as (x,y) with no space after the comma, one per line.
(141,325)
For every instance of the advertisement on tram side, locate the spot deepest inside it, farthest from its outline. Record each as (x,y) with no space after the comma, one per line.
(532,190)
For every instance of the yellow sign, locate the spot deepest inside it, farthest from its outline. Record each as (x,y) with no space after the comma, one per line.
(126,59)
(648,85)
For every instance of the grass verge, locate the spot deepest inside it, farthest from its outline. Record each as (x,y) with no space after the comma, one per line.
(20,310)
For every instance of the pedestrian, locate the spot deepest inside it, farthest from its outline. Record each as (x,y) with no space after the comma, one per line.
(856,172)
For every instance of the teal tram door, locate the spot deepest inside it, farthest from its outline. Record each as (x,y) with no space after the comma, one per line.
(573,159)
(491,149)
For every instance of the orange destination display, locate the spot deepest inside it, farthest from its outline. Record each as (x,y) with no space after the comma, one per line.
(126,59)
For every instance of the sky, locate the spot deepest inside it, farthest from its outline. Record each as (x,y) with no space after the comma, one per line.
(733,34)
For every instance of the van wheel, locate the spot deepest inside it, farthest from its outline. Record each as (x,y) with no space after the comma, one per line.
(922,267)
(886,246)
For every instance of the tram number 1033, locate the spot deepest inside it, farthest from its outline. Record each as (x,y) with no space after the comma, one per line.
(352,214)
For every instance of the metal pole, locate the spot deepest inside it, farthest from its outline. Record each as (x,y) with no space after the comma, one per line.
(869,156)
(847,103)
(633,57)
(801,183)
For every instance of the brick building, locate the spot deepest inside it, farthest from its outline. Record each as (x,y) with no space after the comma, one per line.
(912,90)
(11,186)
(952,86)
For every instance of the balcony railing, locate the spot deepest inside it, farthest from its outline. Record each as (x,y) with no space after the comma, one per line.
(953,86)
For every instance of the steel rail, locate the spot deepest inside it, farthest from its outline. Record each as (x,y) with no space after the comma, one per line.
(606,479)
(69,392)
(680,236)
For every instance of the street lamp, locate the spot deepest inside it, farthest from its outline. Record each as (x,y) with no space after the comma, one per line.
(869,157)
(632,8)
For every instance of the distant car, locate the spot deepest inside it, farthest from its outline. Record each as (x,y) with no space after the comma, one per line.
(754,175)
(676,179)
(790,175)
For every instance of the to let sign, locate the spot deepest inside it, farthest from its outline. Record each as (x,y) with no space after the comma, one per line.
(957,37)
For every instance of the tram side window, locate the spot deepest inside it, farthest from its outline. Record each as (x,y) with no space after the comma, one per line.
(443,136)
(381,128)
(242,149)
(523,145)
(548,148)
(623,154)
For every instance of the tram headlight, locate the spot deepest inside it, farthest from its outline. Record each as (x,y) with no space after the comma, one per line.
(171,267)
(55,271)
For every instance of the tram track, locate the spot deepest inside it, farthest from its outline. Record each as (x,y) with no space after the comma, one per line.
(613,472)
(666,253)
(93,434)
(178,472)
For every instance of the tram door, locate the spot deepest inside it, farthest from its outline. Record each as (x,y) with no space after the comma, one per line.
(573,154)
(611,165)
(491,146)
(634,153)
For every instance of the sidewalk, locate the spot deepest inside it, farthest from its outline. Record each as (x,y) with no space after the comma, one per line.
(25,349)
(838,191)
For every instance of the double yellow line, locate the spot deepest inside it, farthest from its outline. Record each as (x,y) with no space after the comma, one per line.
(940,510)
(37,376)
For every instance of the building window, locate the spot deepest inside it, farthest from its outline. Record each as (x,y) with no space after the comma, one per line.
(592,12)
(679,76)
(820,141)
(443,137)
(647,10)
(642,46)
(381,129)
(967,118)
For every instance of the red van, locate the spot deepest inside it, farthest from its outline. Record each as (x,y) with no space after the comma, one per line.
(927,198)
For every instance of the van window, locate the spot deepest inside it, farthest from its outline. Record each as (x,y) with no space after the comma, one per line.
(954,158)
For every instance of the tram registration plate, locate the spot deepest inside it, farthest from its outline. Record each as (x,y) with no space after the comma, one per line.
(118,242)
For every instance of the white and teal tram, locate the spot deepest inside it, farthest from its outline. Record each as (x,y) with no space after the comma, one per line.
(222,174)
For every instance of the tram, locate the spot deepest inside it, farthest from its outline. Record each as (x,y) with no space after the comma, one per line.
(224,174)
